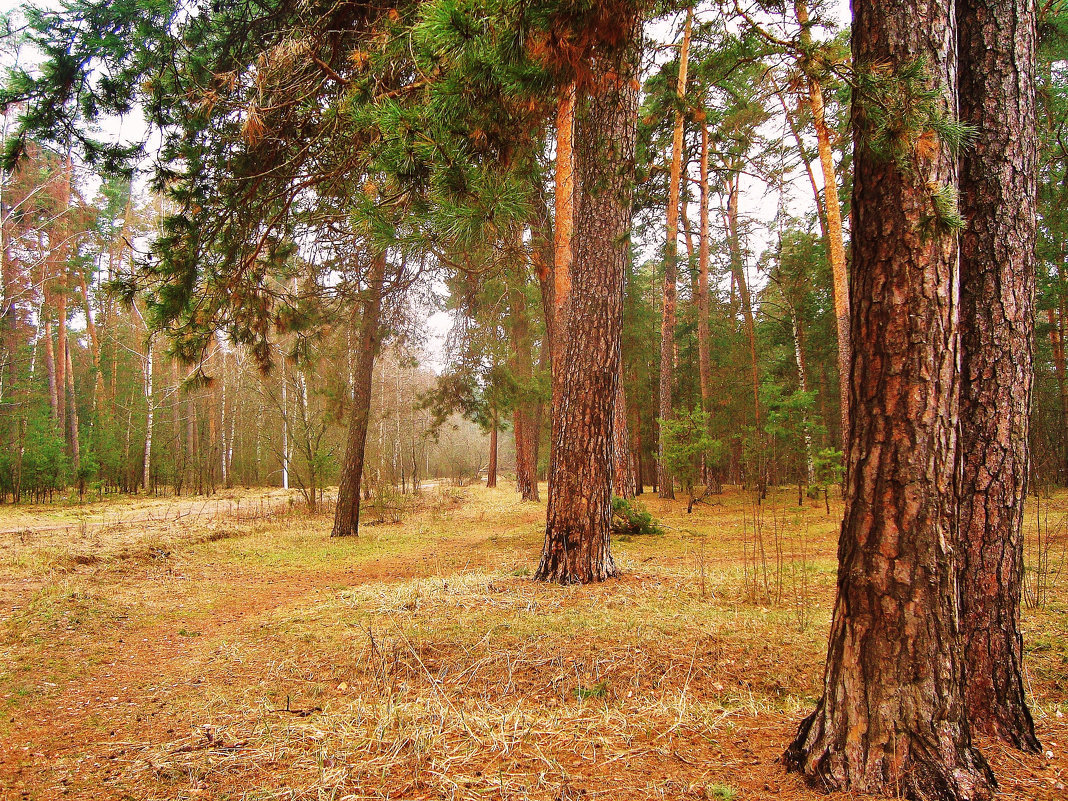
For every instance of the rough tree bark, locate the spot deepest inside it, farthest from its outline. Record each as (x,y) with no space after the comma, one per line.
(996,42)
(671,277)
(892,717)
(577,537)
(347,514)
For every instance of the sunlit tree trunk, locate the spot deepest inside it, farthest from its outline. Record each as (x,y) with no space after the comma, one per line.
(892,719)
(671,278)
(577,536)
(832,212)
(703,336)
(997,262)
(563,224)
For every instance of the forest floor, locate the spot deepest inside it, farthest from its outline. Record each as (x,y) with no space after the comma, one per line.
(221,656)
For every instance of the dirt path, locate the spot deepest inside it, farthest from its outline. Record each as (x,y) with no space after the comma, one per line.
(133,683)
(193,511)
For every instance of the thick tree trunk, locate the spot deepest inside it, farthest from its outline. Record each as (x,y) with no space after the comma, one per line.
(577,536)
(892,718)
(347,515)
(671,278)
(997,262)
(622,469)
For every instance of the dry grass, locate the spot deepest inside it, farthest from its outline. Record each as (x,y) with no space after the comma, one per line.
(420,661)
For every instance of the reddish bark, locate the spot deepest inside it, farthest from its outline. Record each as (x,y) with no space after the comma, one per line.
(892,717)
(586,368)
(997,259)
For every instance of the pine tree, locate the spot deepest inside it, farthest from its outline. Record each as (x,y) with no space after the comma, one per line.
(892,716)
(998,171)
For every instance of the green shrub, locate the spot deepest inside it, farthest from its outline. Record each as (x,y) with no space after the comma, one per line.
(631,517)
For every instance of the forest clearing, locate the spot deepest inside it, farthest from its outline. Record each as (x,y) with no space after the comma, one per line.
(420,660)
(544,399)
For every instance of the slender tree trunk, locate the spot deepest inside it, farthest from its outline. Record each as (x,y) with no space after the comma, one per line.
(224,465)
(802,380)
(50,370)
(1057,346)
(577,531)
(61,365)
(150,415)
(72,417)
(997,263)
(523,417)
(285,425)
(639,467)
(703,335)
(892,718)
(180,443)
(622,468)
(491,471)
(833,214)
(347,514)
(671,278)
(213,423)
(792,123)
(94,347)
(734,243)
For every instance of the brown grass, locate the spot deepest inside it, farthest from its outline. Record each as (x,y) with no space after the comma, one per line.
(255,659)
